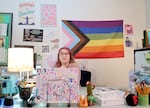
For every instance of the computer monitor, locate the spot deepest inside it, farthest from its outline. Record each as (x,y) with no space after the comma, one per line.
(142,60)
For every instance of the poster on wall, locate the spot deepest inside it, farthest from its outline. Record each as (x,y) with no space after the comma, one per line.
(129,35)
(26,13)
(48,15)
(128,29)
(33,35)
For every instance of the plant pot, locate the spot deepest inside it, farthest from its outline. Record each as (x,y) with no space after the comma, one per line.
(24,93)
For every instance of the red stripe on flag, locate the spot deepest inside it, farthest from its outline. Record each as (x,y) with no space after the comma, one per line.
(100,55)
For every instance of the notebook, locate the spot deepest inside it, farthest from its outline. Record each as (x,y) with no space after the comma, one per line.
(58,85)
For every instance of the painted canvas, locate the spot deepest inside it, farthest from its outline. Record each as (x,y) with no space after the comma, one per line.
(58,85)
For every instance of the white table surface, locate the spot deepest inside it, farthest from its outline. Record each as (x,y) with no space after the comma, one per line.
(17,102)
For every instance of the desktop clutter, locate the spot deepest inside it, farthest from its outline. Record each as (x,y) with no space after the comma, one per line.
(99,95)
(26,93)
(10,87)
(139,89)
(89,99)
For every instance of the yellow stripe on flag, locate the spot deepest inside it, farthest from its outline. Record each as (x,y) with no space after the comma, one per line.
(105,42)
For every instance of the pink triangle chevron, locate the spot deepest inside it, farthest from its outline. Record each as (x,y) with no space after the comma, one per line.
(77,40)
(73,40)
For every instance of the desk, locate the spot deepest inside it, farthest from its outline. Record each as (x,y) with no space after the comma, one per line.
(18,103)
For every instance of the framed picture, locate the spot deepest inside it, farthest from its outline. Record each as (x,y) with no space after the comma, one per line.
(33,35)
(146,41)
(24,46)
(6,20)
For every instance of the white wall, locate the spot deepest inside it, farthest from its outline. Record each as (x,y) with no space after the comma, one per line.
(111,72)
(147,14)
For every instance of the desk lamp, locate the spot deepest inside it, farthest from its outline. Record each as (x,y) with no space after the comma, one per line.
(20,60)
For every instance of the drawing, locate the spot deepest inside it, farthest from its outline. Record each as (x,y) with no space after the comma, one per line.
(57,85)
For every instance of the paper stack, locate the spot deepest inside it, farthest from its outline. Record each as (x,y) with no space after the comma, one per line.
(107,96)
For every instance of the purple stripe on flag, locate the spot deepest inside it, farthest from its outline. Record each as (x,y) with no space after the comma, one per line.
(98,23)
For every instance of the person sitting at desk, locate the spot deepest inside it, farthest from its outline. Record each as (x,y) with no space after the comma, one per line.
(65,58)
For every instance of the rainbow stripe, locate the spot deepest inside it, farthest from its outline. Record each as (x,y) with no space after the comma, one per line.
(105,39)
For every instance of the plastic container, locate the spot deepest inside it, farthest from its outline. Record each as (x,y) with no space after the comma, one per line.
(143,100)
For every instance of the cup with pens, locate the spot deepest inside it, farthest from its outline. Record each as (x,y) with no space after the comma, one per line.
(143,93)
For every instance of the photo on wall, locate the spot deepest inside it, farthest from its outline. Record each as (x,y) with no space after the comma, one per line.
(33,35)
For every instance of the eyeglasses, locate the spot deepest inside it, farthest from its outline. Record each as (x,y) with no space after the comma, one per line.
(64,54)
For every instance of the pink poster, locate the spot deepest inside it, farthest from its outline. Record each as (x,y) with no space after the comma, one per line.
(48,15)
(128,29)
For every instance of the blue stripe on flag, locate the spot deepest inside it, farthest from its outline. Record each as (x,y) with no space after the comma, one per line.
(101,30)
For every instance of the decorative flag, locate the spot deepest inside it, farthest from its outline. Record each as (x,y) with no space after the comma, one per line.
(94,39)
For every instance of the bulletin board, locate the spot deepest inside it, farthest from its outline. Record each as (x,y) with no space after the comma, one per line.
(6,20)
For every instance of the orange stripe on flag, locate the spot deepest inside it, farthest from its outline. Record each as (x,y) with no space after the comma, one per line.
(94,49)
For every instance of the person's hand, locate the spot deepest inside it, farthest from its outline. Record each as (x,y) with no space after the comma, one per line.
(72,65)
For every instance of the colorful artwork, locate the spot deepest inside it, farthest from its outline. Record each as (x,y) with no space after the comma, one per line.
(94,39)
(26,13)
(48,15)
(58,85)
